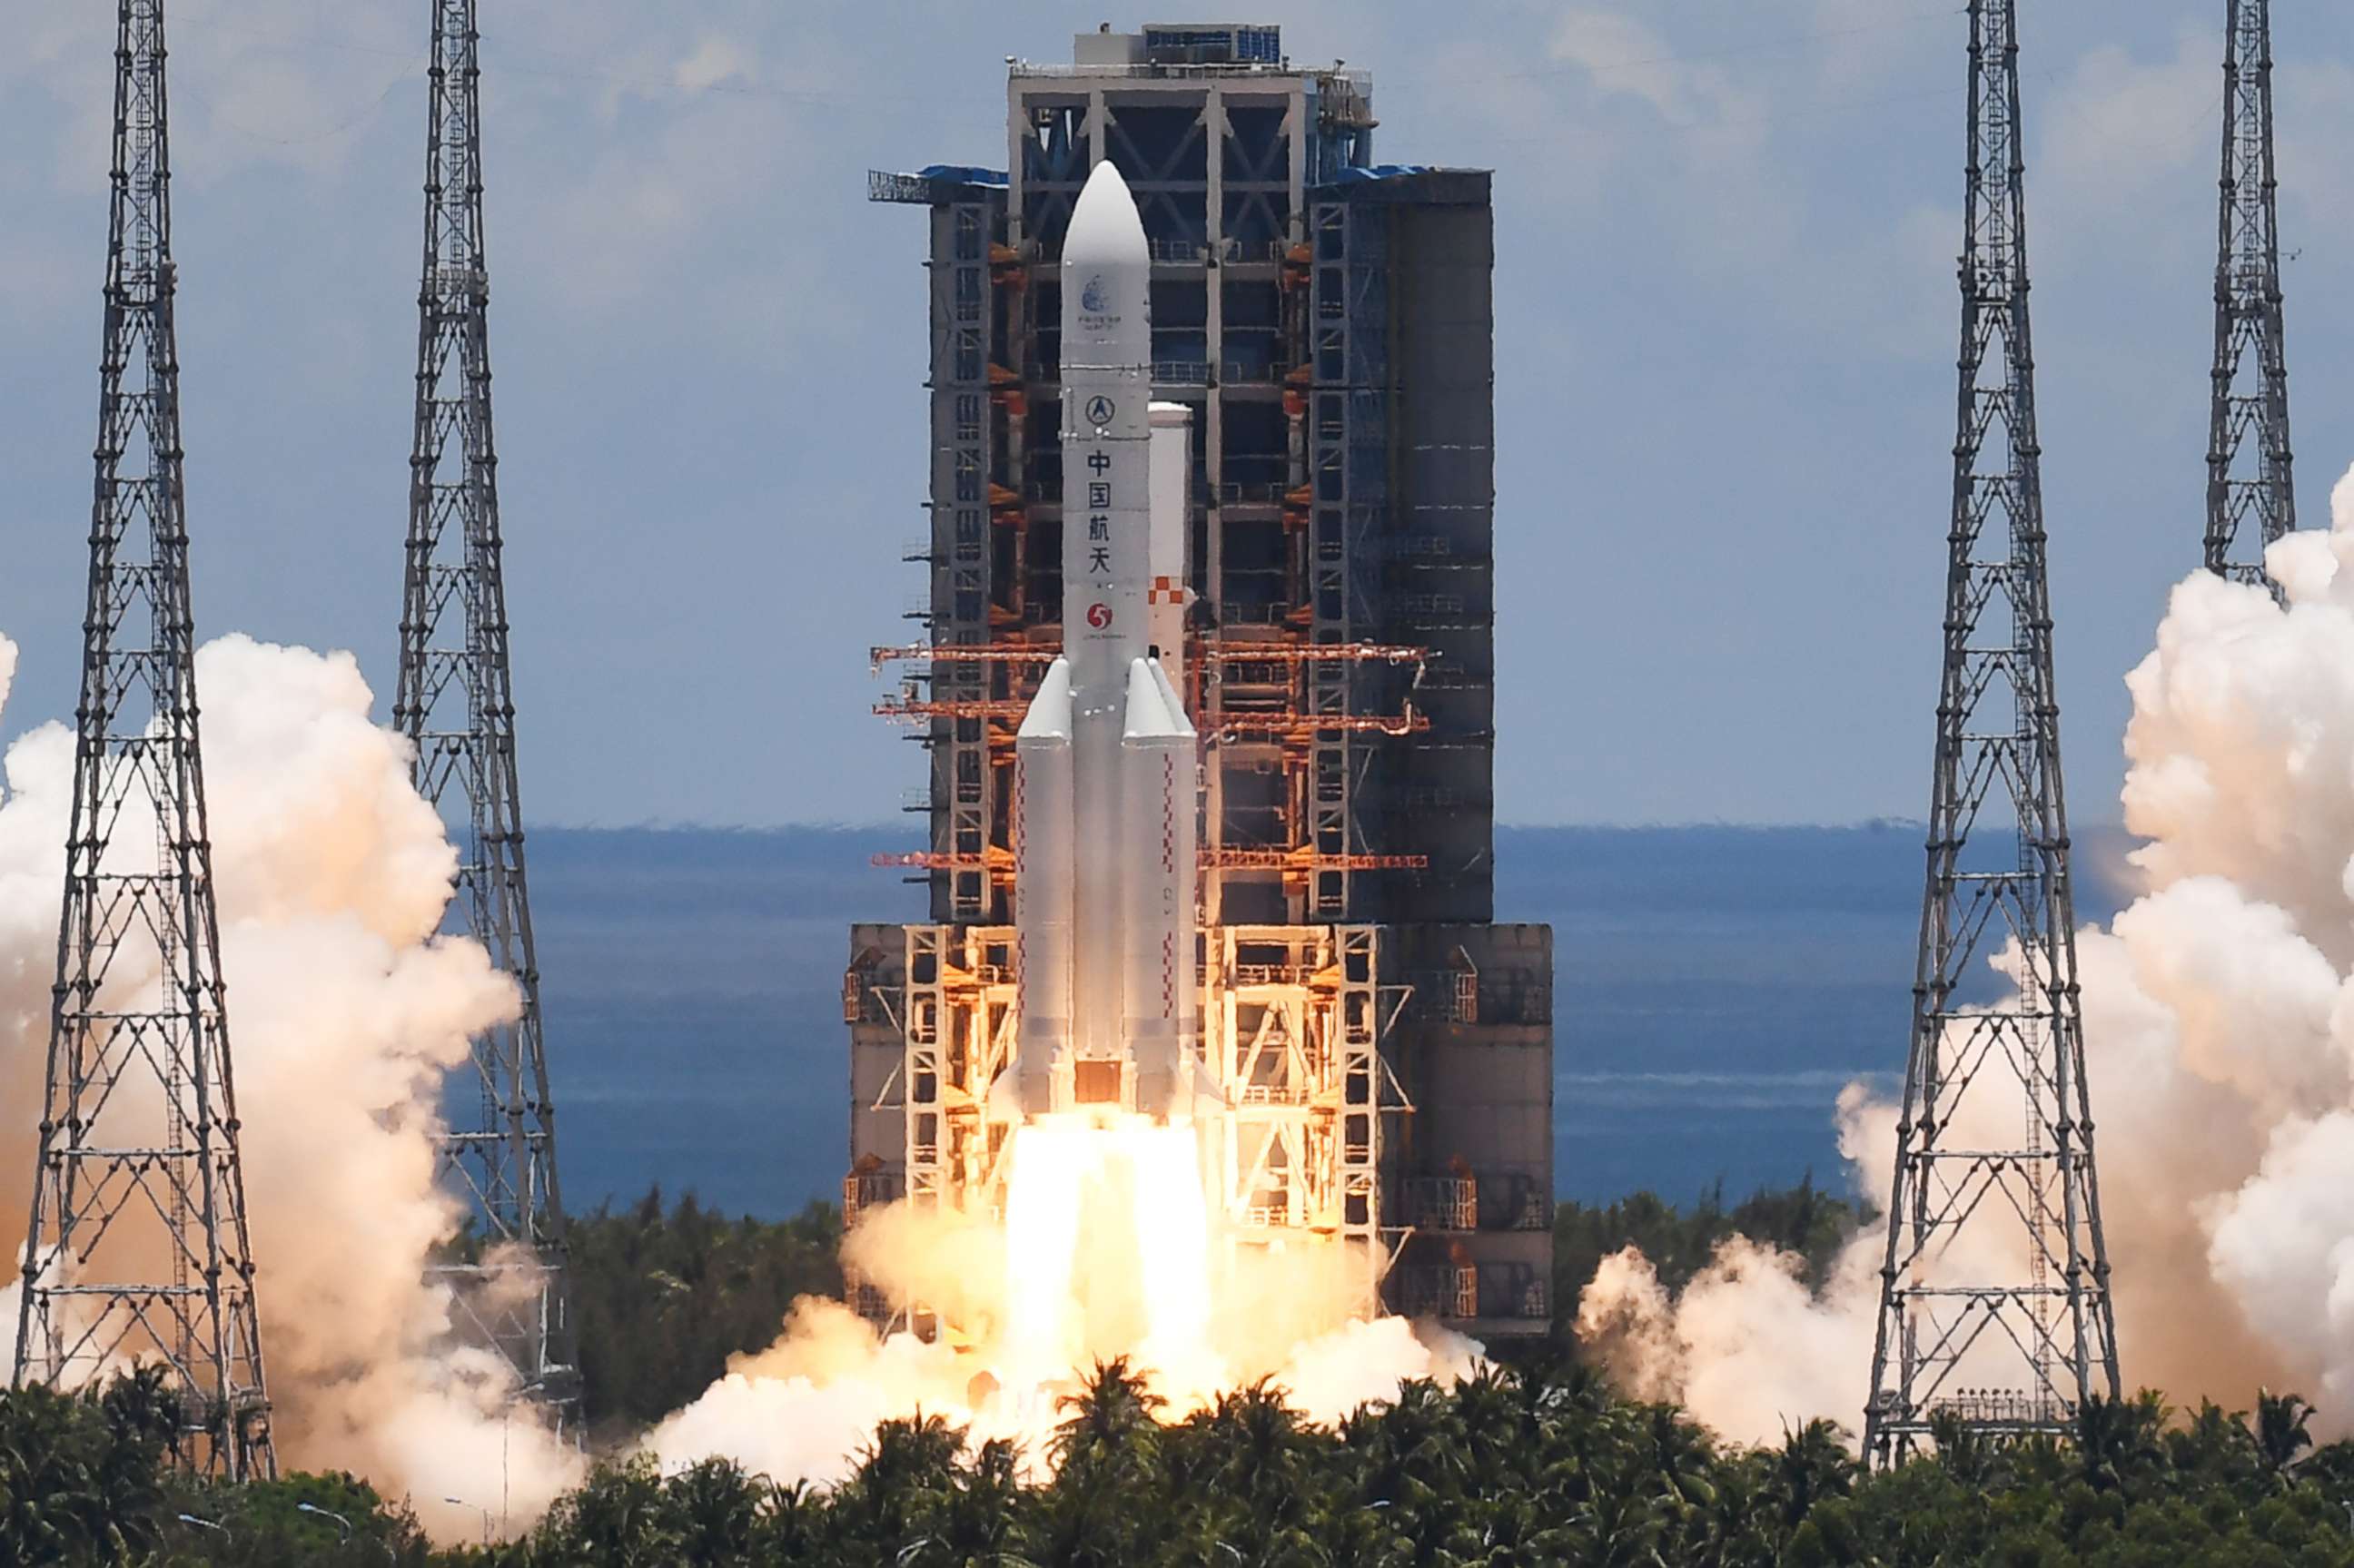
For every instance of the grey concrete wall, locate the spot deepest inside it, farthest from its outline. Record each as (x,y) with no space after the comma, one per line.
(1476,1061)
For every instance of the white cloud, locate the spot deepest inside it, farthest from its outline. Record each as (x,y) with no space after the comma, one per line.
(2312,112)
(715,60)
(1624,56)
(2119,125)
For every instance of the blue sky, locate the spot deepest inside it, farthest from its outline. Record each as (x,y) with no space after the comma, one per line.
(1725,241)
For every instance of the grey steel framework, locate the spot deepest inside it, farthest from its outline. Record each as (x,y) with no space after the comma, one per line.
(456,704)
(1995,1275)
(138,1247)
(2250,501)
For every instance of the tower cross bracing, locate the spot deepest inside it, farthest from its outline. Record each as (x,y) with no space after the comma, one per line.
(456,704)
(1994,1304)
(2250,497)
(138,1247)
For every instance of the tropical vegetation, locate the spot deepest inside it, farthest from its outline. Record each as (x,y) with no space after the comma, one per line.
(1537,1463)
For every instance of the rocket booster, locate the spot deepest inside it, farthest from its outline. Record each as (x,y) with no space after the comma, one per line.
(1106,790)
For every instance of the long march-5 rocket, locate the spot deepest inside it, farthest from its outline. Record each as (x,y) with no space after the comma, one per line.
(1106,782)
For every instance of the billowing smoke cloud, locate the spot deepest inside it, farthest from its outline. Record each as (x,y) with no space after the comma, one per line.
(345,1014)
(805,1407)
(2219,1020)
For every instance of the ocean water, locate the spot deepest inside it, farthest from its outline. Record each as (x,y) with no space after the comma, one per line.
(1714,989)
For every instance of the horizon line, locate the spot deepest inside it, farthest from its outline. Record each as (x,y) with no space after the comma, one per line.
(1695,824)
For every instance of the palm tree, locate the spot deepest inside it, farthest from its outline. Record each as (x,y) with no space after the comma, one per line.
(1676,1460)
(616,1519)
(2117,1439)
(2214,1445)
(1114,1415)
(1106,1453)
(1734,1532)
(1616,1530)
(1963,1450)
(1811,1465)
(905,1476)
(2280,1432)
(715,1513)
(1498,1427)
(982,1525)
(792,1524)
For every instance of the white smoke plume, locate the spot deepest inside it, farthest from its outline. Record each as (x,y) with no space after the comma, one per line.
(345,1014)
(2218,1023)
(805,1408)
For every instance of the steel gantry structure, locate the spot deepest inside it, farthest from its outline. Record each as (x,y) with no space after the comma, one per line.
(138,1248)
(1994,1291)
(2250,501)
(1383,1046)
(456,705)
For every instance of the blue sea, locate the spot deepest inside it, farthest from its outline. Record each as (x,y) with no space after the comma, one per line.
(1715,987)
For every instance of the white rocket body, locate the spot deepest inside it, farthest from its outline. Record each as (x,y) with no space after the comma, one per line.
(1107,781)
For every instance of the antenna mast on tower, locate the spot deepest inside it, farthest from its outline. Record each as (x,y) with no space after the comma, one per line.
(137,1249)
(455,703)
(1995,1292)
(2248,456)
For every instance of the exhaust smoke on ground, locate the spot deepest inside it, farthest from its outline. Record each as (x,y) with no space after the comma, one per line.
(2218,1027)
(347,1013)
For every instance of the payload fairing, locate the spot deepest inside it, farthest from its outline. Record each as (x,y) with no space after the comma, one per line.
(1107,779)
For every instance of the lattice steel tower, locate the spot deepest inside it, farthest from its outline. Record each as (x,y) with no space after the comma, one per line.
(2250,501)
(138,1247)
(1994,1297)
(455,703)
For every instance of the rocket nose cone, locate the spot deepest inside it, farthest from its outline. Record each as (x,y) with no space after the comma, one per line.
(1105,176)
(1104,223)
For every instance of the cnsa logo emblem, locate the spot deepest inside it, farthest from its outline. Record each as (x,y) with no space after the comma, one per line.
(1091,297)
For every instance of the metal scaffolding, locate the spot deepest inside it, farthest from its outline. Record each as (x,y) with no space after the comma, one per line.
(137,1249)
(1996,1138)
(1293,1022)
(455,703)
(2251,494)
(1292,1034)
(1347,505)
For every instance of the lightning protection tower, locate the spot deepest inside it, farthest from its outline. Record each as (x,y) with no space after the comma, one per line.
(456,704)
(1995,1293)
(2250,501)
(137,1248)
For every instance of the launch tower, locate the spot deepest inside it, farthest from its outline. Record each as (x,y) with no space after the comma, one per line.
(138,1249)
(1994,1306)
(456,704)
(2250,499)
(1383,1048)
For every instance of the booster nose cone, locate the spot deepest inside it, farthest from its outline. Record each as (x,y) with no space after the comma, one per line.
(1104,225)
